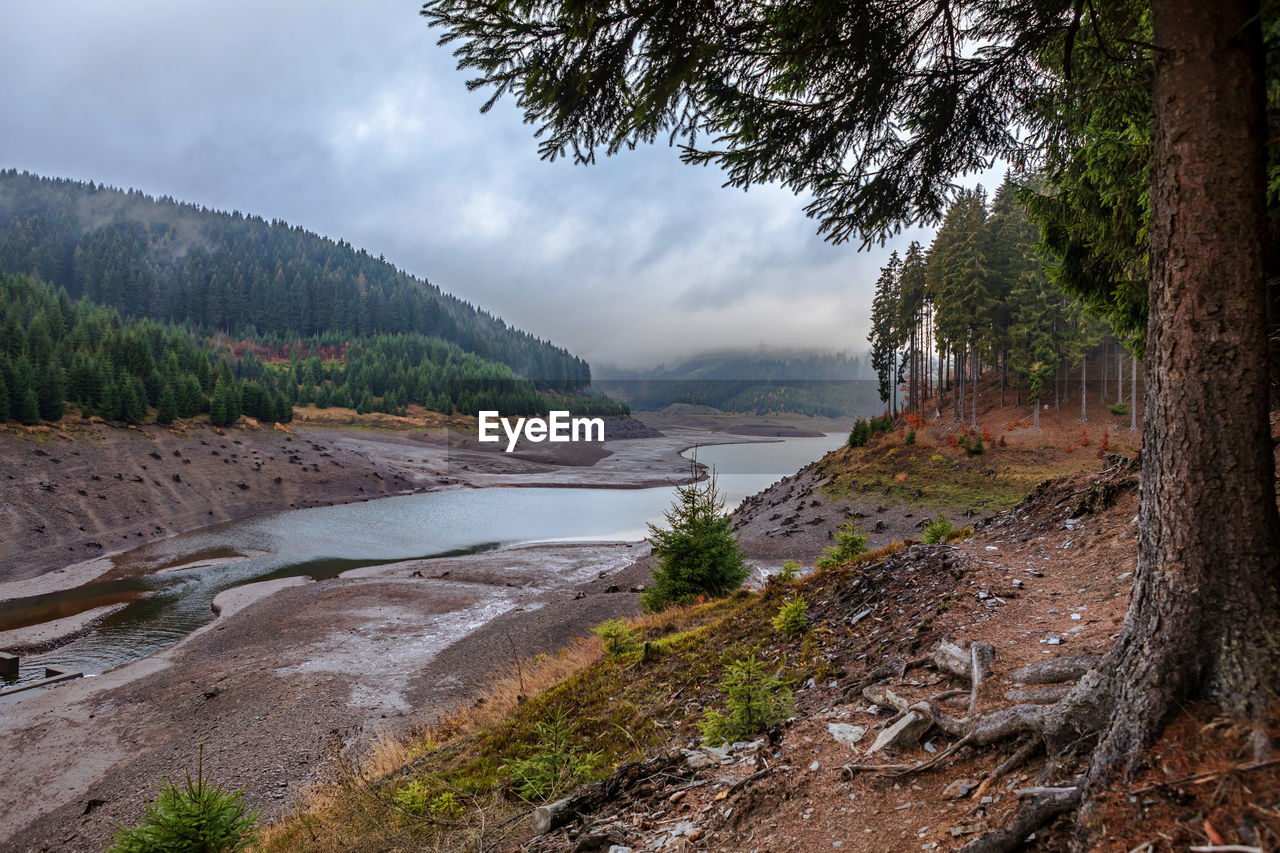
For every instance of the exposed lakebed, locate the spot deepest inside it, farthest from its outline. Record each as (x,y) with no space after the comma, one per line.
(170,585)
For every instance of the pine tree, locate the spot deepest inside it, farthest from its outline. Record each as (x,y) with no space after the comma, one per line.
(167,407)
(884,333)
(697,553)
(51,393)
(133,400)
(218,415)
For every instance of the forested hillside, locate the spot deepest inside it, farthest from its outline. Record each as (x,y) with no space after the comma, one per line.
(55,352)
(241,275)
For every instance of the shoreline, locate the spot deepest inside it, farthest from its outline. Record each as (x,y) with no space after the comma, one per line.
(368,457)
(292,669)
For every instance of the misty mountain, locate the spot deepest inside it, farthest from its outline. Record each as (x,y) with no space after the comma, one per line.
(757,382)
(242,275)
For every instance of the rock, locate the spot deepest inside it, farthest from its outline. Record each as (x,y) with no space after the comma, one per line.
(698,760)
(1052,639)
(847,734)
(884,697)
(906,731)
(960,788)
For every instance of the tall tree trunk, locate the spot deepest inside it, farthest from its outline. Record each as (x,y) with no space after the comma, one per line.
(1119,372)
(1004,374)
(1102,394)
(1084,414)
(973,404)
(1204,618)
(1057,398)
(1133,391)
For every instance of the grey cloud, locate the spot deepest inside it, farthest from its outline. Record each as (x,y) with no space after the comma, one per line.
(348,119)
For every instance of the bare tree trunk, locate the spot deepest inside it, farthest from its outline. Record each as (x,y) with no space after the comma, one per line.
(1084,414)
(1102,395)
(1133,391)
(973,404)
(1204,618)
(1004,374)
(1035,406)
(1119,373)
(1057,398)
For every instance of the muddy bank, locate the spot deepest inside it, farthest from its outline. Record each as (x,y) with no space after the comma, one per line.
(76,494)
(71,496)
(272,685)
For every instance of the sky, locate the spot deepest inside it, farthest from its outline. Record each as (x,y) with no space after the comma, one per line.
(348,119)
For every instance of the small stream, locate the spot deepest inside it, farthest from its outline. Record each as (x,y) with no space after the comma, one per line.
(182,575)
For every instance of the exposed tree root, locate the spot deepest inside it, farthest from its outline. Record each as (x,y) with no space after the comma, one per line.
(1030,746)
(1045,805)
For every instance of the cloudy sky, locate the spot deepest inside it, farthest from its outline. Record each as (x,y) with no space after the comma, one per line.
(348,119)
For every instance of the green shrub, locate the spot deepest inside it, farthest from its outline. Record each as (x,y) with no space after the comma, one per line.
(938,530)
(618,637)
(790,571)
(556,763)
(910,437)
(1118,409)
(975,448)
(791,619)
(860,434)
(755,702)
(882,424)
(697,555)
(850,543)
(422,798)
(196,818)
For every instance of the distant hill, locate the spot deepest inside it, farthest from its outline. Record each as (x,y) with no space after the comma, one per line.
(759,365)
(241,275)
(755,382)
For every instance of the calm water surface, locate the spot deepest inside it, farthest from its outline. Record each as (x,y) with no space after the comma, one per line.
(325,541)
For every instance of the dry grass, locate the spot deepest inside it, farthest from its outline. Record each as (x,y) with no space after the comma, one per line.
(618,706)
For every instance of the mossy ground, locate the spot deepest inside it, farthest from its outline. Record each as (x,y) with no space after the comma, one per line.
(935,475)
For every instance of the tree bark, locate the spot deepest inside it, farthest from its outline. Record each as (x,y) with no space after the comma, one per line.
(1204,618)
